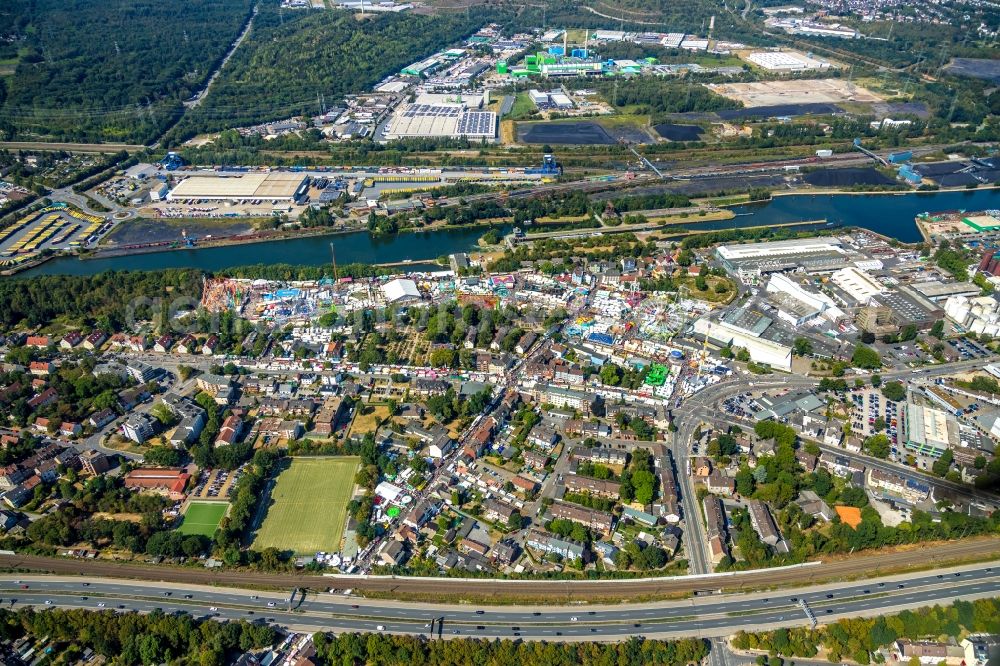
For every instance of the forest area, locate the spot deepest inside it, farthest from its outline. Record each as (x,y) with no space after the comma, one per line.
(289,64)
(111,71)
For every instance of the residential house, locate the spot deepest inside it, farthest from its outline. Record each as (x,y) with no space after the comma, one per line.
(71,340)
(187,345)
(70,429)
(102,418)
(163,344)
(765,527)
(210,346)
(604,455)
(46,397)
(139,427)
(552,544)
(95,340)
(37,341)
(599,521)
(393,553)
(94,462)
(230,431)
(325,422)
(524,484)
(717,484)
(535,460)
(583,484)
(41,368)
(141,372)
(441,446)
(497,511)
(525,342)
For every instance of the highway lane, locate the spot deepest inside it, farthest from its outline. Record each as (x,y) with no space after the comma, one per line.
(713,618)
(347,606)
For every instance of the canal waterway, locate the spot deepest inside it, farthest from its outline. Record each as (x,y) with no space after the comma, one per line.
(888,214)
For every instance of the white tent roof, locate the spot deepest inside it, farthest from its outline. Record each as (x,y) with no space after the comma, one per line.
(399,290)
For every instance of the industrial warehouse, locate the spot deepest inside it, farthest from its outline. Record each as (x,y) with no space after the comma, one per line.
(274,187)
(435,115)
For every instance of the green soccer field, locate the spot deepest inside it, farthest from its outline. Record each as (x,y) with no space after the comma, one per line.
(308,506)
(203,518)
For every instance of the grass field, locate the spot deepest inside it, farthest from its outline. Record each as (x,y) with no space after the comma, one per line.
(366,423)
(203,518)
(308,506)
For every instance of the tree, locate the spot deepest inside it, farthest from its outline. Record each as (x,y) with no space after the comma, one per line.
(866,358)
(937,330)
(610,374)
(877,445)
(645,485)
(444,358)
(943,464)
(894,391)
(802,347)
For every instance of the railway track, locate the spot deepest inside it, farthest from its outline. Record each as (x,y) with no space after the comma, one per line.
(925,556)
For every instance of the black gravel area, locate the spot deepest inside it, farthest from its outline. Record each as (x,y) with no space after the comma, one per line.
(679,132)
(846,177)
(577,134)
(976,68)
(814,109)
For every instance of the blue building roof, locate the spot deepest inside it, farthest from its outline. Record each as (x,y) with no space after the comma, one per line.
(602,338)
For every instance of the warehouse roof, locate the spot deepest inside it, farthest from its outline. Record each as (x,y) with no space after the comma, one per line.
(281,185)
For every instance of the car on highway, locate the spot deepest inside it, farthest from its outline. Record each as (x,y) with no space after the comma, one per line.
(213,608)
(253,597)
(270,604)
(48,602)
(101,604)
(574,619)
(188,596)
(380,627)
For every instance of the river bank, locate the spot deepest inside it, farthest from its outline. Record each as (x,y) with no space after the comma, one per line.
(891,216)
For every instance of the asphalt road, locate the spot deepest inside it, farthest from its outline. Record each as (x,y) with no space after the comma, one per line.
(708,616)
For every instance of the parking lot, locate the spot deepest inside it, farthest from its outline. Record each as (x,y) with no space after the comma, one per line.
(741,406)
(968,350)
(215,484)
(870,409)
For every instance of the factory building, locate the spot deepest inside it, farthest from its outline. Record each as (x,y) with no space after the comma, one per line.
(929,431)
(436,115)
(786,61)
(858,284)
(797,305)
(815,256)
(762,350)
(274,187)
(980,314)
(795,26)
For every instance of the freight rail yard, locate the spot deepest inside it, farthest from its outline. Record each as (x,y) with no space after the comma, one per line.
(54,228)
